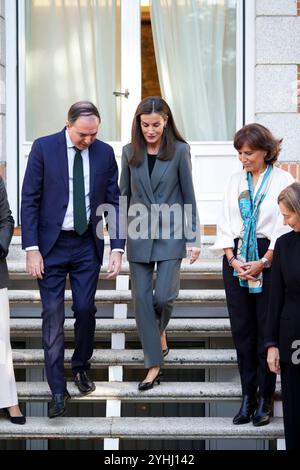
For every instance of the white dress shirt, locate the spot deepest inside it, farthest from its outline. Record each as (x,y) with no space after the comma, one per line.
(269,222)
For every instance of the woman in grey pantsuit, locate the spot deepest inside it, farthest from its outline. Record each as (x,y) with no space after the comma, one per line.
(8,392)
(156,178)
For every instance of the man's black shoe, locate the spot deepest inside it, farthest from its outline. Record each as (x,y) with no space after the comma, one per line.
(264,412)
(246,410)
(84,383)
(57,407)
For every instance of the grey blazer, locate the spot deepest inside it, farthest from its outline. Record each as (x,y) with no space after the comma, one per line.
(6,232)
(171,185)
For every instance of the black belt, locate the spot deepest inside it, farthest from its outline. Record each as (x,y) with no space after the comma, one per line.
(74,234)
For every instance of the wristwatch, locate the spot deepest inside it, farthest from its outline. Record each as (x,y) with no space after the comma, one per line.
(266,263)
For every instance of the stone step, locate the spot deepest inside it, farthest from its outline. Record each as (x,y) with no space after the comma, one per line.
(138,428)
(192,358)
(128,391)
(202,269)
(205,327)
(17,254)
(190,296)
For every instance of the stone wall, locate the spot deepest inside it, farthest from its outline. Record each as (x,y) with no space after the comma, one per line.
(277,66)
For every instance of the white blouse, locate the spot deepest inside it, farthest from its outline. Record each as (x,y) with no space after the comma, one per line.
(269,221)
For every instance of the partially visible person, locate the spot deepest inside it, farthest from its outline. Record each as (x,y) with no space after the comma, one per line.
(69,176)
(157,179)
(8,391)
(282,338)
(249,225)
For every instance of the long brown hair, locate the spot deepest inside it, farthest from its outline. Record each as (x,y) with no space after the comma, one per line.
(149,105)
(258,137)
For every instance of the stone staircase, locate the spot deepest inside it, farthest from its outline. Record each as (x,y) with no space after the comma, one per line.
(200,339)
(138,428)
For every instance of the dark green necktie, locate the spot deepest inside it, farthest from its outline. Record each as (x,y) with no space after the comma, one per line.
(80,222)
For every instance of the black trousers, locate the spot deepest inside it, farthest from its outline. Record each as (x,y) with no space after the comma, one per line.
(247,313)
(290,386)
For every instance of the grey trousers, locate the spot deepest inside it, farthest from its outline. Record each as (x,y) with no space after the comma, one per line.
(153,309)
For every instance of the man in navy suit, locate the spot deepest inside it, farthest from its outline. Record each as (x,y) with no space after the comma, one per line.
(68,176)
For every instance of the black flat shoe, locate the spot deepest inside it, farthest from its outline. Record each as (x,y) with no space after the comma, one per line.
(148,385)
(57,406)
(84,383)
(15,419)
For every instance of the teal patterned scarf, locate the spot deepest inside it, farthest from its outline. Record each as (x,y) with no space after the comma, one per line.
(247,245)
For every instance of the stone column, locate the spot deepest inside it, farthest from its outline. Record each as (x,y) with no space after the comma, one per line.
(277,62)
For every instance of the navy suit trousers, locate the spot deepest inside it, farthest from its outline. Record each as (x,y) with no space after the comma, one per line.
(77,256)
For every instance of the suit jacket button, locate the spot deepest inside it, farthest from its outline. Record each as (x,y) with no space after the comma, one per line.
(58,224)
(65,206)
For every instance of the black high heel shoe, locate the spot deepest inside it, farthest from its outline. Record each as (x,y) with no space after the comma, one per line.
(166,351)
(148,385)
(14,419)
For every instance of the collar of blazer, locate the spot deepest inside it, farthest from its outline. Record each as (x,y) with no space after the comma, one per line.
(159,170)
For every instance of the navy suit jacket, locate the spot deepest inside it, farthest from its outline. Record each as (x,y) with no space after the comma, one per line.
(45,192)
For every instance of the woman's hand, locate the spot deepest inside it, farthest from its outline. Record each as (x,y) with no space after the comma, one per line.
(238,267)
(193,253)
(252,269)
(273,359)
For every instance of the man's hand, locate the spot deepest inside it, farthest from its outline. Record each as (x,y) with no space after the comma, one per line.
(273,359)
(114,264)
(34,264)
(193,253)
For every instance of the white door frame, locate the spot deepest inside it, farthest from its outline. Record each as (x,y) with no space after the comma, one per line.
(214,162)
(17,148)
(130,63)
(130,41)
(130,31)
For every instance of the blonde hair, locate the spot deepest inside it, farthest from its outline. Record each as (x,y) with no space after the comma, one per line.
(290,197)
